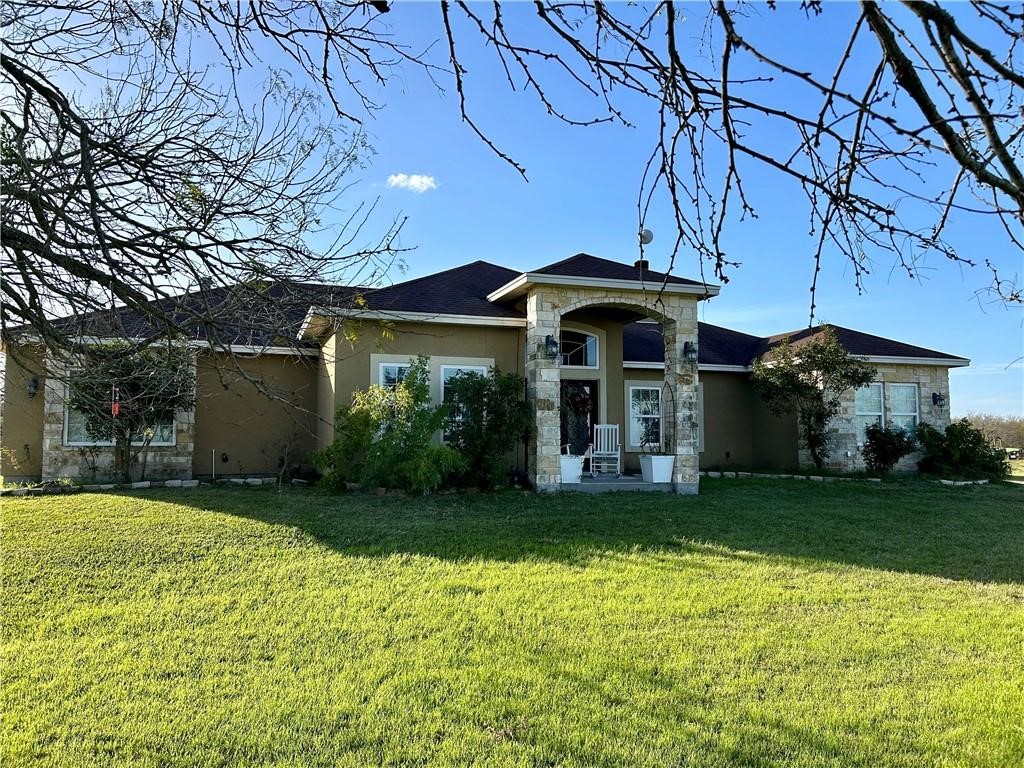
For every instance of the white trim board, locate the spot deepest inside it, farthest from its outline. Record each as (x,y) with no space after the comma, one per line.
(521,284)
(709,367)
(942,362)
(408,317)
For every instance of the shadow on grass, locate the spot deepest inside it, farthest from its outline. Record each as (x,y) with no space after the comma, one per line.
(974,533)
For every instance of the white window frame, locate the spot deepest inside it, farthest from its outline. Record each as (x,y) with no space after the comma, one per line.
(893,415)
(661,415)
(880,413)
(382,365)
(481,369)
(597,350)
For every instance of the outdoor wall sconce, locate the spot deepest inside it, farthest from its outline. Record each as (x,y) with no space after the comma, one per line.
(32,387)
(690,352)
(551,347)
(938,399)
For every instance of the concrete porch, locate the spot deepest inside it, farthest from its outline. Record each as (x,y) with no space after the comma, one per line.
(611,484)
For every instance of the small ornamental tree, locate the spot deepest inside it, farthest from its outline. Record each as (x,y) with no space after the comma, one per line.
(809,379)
(125,393)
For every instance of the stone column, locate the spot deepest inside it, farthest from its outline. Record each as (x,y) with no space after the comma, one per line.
(543,393)
(54,461)
(681,387)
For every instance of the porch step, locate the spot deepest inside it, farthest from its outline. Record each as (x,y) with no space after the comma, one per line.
(611,485)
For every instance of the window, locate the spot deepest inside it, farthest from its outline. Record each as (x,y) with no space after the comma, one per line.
(579,350)
(867,402)
(903,404)
(393,374)
(449,372)
(644,416)
(76,433)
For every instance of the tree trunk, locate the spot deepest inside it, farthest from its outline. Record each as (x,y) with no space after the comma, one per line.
(122,458)
(811,438)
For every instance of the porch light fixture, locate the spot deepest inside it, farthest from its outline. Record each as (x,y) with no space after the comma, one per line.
(938,399)
(32,387)
(690,352)
(551,347)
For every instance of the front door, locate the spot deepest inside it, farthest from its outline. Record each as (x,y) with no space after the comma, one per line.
(579,409)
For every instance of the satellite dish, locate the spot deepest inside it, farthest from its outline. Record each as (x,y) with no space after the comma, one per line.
(646,236)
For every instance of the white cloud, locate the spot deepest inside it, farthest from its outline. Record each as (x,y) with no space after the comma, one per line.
(414,182)
(989,369)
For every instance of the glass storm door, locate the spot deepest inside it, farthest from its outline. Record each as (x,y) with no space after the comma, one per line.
(579,410)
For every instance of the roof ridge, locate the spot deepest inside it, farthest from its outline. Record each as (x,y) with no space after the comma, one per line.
(732,330)
(438,274)
(813,330)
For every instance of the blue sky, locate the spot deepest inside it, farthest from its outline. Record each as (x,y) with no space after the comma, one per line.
(581,196)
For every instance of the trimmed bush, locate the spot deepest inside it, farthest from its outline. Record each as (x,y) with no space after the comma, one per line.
(883,447)
(961,451)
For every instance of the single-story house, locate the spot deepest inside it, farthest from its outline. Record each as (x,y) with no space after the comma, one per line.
(620,341)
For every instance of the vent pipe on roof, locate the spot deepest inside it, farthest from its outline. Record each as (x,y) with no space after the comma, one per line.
(642,264)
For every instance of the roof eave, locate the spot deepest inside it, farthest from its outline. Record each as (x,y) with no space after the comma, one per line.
(946,362)
(520,285)
(317,317)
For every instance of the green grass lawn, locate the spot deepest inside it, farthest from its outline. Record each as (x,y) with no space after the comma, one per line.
(760,624)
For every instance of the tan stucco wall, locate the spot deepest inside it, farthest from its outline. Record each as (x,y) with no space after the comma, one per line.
(257,423)
(775,437)
(326,396)
(352,366)
(738,430)
(728,409)
(21,417)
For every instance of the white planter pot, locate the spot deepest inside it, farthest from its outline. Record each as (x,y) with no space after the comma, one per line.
(657,469)
(572,468)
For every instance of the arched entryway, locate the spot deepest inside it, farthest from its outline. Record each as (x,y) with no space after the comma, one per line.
(546,305)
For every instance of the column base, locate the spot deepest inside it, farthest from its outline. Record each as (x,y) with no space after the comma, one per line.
(686,489)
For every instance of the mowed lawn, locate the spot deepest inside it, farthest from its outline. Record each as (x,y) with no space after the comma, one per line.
(763,623)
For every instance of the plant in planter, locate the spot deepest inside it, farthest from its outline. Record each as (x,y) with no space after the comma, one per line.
(658,458)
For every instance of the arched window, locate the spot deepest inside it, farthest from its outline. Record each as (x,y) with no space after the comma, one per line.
(579,350)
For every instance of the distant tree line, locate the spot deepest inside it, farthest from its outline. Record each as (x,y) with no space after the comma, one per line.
(1004,431)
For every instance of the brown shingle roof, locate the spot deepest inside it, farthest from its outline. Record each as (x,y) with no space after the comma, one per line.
(245,314)
(459,291)
(272,314)
(585,265)
(643,343)
(857,343)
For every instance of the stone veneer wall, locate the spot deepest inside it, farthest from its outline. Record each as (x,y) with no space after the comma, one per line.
(844,443)
(677,313)
(96,463)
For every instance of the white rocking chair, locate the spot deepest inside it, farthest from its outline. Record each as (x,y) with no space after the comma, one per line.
(606,451)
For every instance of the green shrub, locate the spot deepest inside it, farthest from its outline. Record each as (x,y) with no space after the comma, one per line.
(883,447)
(962,451)
(343,460)
(489,416)
(385,439)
